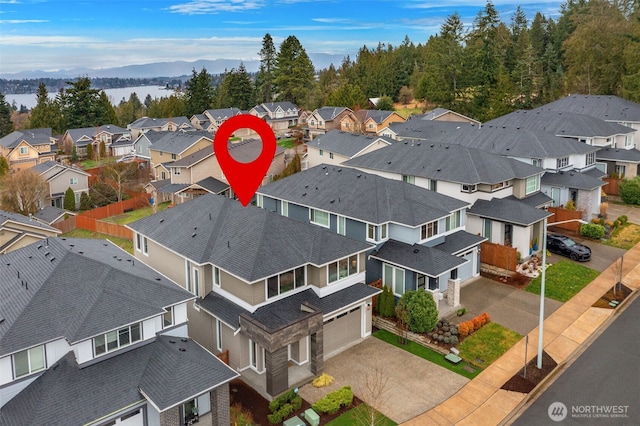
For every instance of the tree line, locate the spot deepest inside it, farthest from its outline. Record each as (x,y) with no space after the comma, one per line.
(484,71)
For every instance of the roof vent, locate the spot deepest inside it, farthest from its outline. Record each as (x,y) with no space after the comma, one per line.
(184,340)
(416,250)
(158,279)
(193,235)
(161,220)
(172,341)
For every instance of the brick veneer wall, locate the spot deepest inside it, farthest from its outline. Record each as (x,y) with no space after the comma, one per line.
(220,402)
(171,417)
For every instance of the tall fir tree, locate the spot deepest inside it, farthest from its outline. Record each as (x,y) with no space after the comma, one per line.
(6,125)
(46,113)
(82,105)
(294,76)
(199,94)
(265,76)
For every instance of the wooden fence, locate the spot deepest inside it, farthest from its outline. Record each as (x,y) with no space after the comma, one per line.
(612,187)
(66,225)
(376,284)
(94,225)
(499,256)
(560,214)
(135,202)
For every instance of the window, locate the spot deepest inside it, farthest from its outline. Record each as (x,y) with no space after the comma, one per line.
(433,185)
(620,170)
(29,361)
(409,179)
(343,268)
(532,184)
(174,156)
(562,162)
(536,162)
(216,276)
(163,175)
(117,339)
(321,153)
(284,210)
(167,318)
(24,150)
(429,230)
(319,123)
(371,232)
(393,278)
(142,244)
(469,188)
(453,221)
(434,283)
(196,281)
(319,217)
(176,170)
(218,334)
(193,279)
(486,229)
(312,123)
(284,282)
(331,155)
(383,231)
(497,186)
(342,225)
(160,153)
(253,353)
(591,158)
(420,281)
(73,181)
(508,234)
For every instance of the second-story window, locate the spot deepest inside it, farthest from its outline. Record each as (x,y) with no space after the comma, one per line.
(409,179)
(216,276)
(319,217)
(371,232)
(174,156)
(116,339)
(532,184)
(343,268)
(562,162)
(167,318)
(73,181)
(591,158)
(24,150)
(453,221)
(176,170)
(342,225)
(429,230)
(29,361)
(286,281)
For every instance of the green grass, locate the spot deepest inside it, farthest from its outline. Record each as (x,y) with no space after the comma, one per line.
(357,415)
(90,164)
(123,243)
(286,142)
(425,353)
(132,216)
(407,111)
(563,280)
(488,344)
(624,237)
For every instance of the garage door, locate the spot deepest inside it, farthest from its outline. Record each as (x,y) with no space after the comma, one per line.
(342,330)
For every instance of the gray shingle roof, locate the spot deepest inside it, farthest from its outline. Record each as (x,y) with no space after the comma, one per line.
(273,106)
(147,122)
(223,113)
(619,154)
(177,142)
(444,162)
(459,241)
(560,123)
(248,242)
(50,214)
(376,115)
(249,149)
(605,107)
(345,143)
(572,179)
(537,200)
(363,196)
(194,158)
(78,288)
(213,185)
(419,258)
(286,311)
(33,138)
(508,210)
(167,376)
(7,217)
(48,165)
(172,188)
(91,132)
(328,113)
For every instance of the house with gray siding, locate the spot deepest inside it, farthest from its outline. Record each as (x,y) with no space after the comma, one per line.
(91,335)
(419,235)
(274,293)
(59,179)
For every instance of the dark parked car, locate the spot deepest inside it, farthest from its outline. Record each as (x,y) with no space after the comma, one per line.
(567,247)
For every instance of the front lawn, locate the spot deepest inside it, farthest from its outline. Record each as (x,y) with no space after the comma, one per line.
(286,142)
(425,353)
(563,280)
(360,415)
(123,243)
(624,237)
(488,344)
(91,164)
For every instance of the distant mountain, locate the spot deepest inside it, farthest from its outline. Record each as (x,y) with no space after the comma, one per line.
(166,69)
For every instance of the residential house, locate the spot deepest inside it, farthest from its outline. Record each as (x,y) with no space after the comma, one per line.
(91,335)
(373,120)
(279,115)
(586,129)
(467,174)
(605,107)
(200,173)
(419,235)
(279,295)
(59,179)
(337,146)
(26,148)
(329,118)
(167,147)
(96,136)
(171,124)
(215,118)
(443,114)
(50,215)
(200,121)
(17,231)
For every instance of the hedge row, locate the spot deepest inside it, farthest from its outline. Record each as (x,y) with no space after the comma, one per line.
(467,328)
(283,406)
(333,401)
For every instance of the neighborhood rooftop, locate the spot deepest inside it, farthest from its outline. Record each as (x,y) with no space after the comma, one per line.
(248,242)
(346,143)
(605,107)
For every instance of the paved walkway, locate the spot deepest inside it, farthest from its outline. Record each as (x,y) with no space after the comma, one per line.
(482,402)
(412,385)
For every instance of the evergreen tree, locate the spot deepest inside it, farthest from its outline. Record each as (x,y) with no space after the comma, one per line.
(46,113)
(81,105)
(89,152)
(347,95)
(74,154)
(109,114)
(294,76)
(6,125)
(236,89)
(265,77)
(4,166)
(85,202)
(69,202)
(199,94)
(385,103)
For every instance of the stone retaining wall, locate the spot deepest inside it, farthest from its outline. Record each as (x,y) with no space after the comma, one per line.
(390,326)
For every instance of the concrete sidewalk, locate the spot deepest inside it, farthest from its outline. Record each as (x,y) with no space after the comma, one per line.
(482,402)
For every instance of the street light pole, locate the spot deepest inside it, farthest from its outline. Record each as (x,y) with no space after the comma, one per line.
(542,283)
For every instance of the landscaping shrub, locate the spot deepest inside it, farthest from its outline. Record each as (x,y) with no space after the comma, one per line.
(241,416)
(570,205)
(623,219)
(387,302)
(332,402)
(322,380)
(283,399)
(281,414)
(630,190)
(467,328)
(592,230)
(296,403)
(464,328)
(421,309)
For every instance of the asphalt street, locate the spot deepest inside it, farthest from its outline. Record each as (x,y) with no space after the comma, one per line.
(602,386)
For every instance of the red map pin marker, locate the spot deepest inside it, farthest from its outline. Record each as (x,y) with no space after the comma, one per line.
(244,178)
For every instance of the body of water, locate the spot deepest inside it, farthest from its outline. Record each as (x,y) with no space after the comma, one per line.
(115,95)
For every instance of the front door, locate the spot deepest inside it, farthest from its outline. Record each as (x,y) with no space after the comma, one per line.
(555,196)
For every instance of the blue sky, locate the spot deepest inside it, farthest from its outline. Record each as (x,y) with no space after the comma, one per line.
(62,34)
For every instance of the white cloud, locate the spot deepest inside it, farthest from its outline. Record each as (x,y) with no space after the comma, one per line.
(26,40)
(22,21)
(202,7)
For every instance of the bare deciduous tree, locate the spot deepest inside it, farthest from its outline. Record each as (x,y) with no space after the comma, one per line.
(23,192)
(373,391)
(121,176)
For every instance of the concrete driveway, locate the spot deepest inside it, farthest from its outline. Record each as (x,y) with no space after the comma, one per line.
(518,310)
(413,385)
(602,256)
